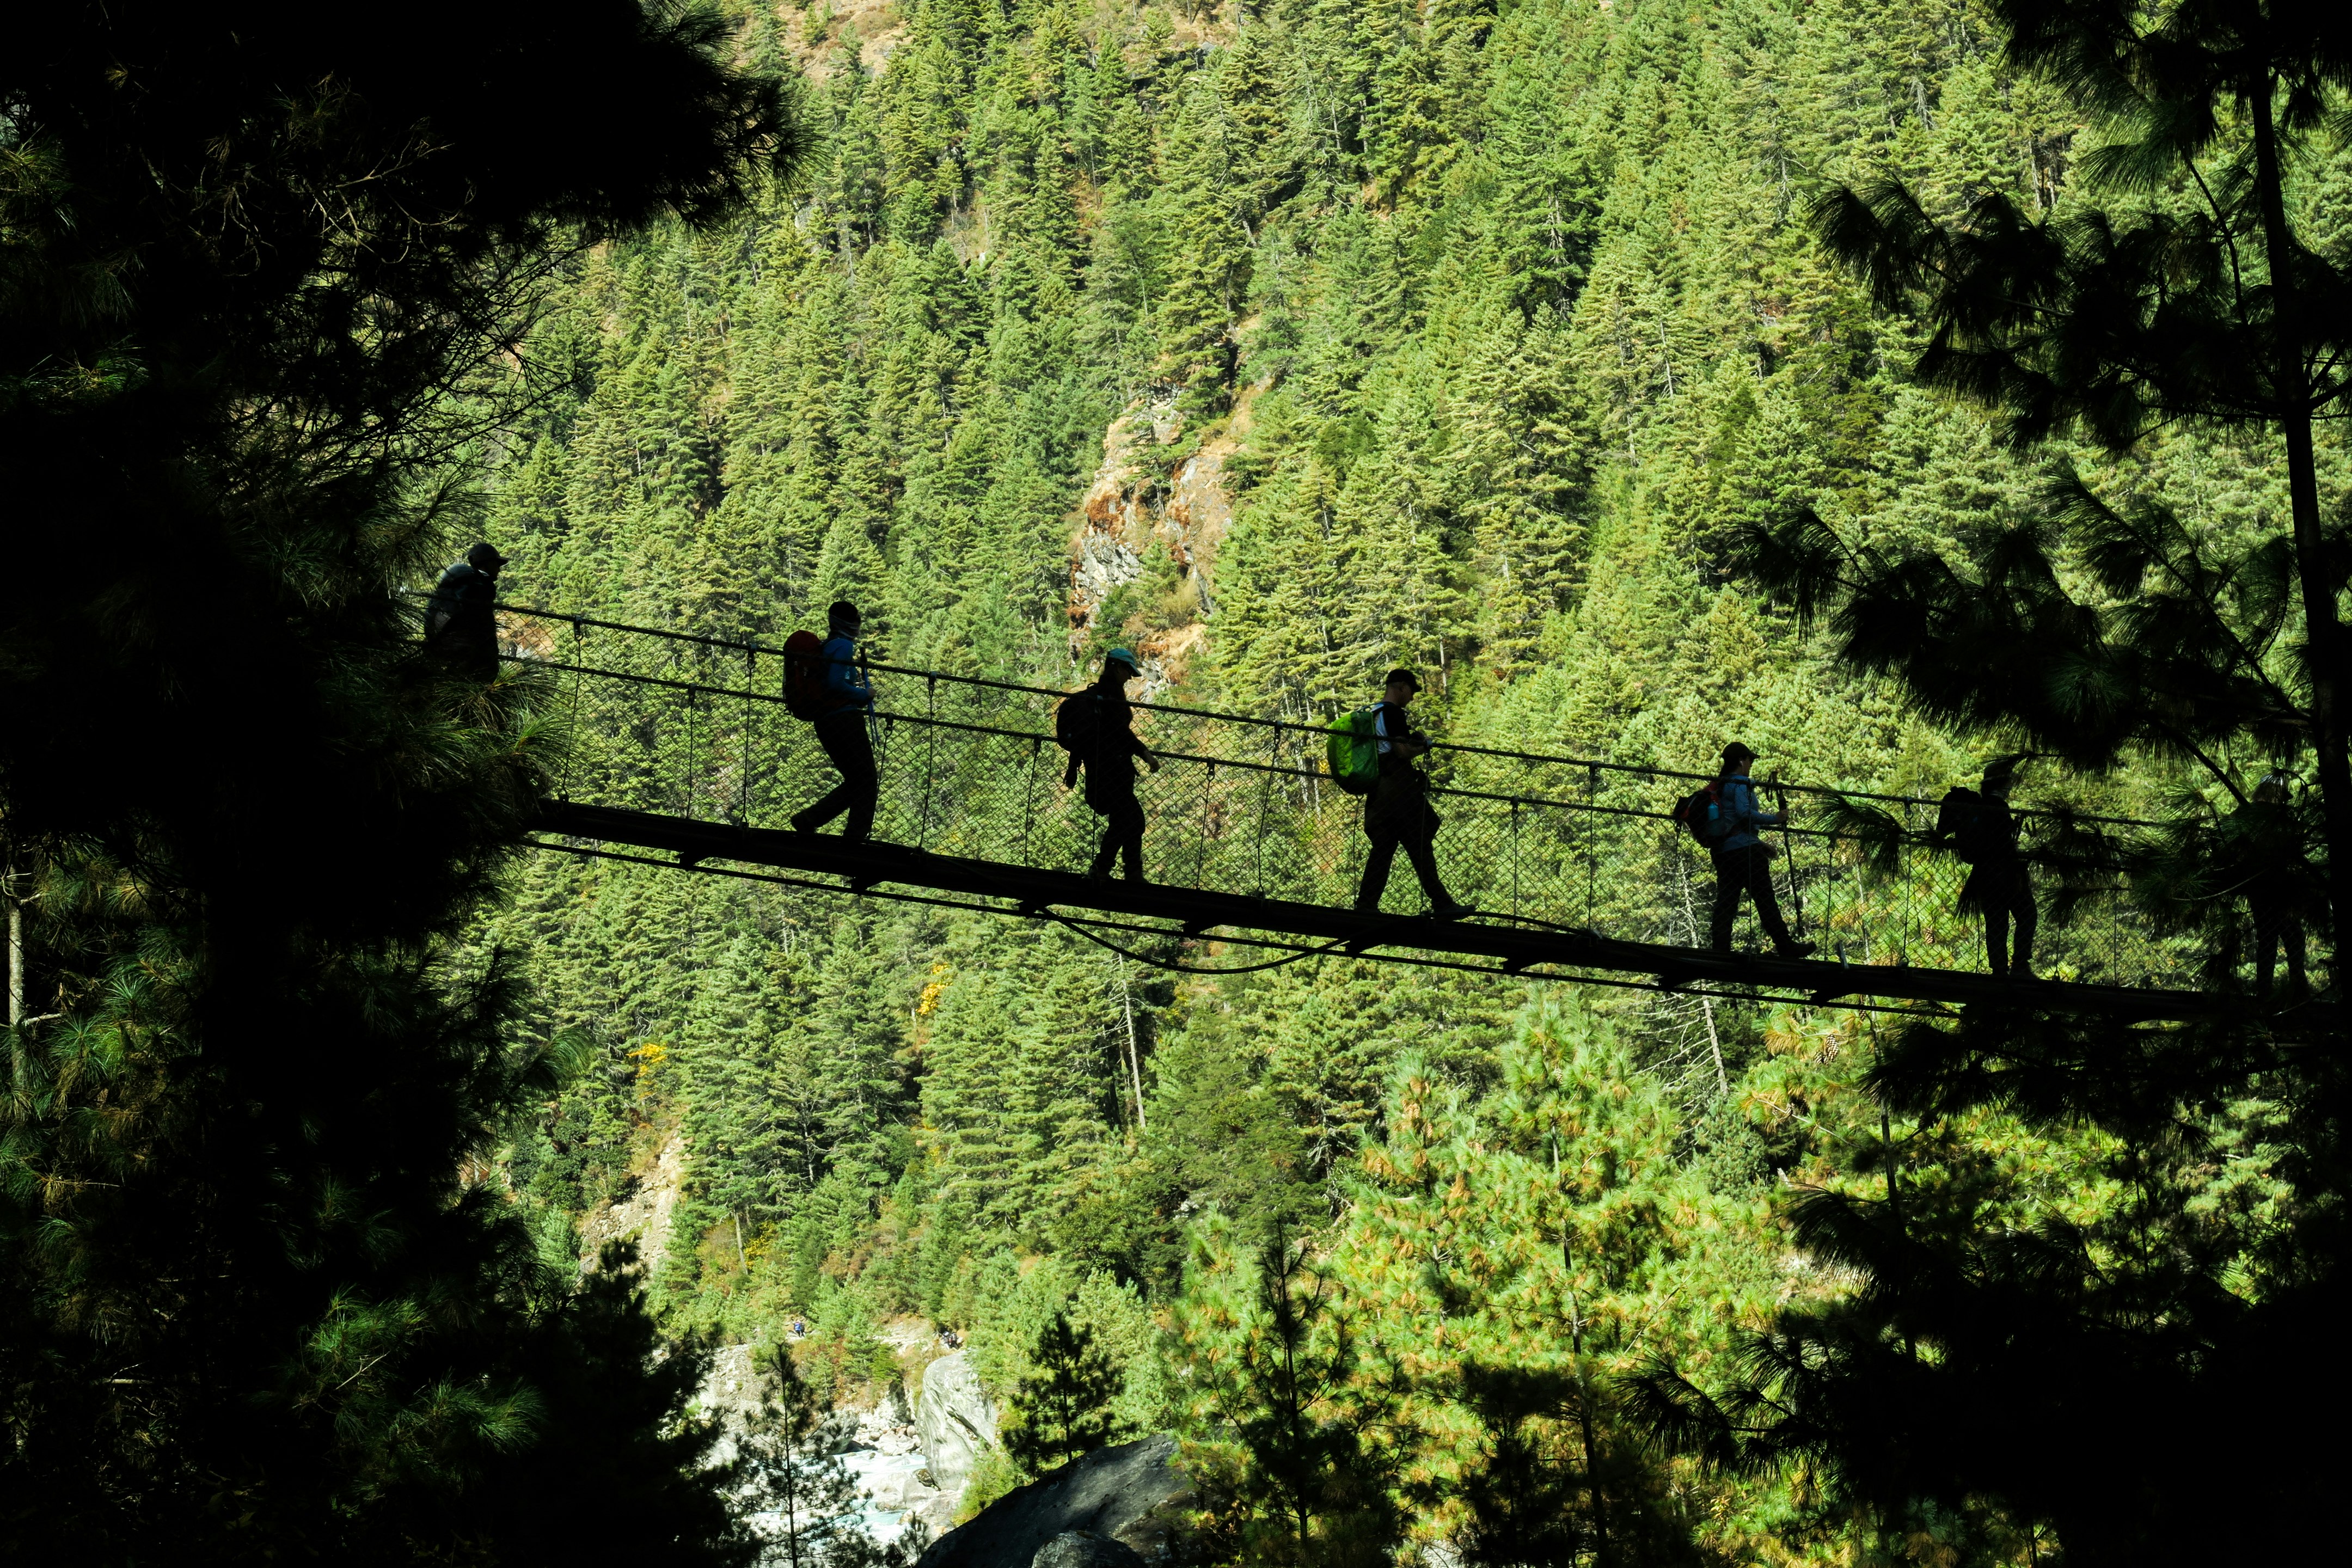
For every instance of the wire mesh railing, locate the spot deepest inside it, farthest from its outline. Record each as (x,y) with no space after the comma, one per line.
(693,726)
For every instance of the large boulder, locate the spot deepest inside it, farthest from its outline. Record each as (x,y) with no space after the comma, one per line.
(1121,1494)
(956,1422)
(1083,1549)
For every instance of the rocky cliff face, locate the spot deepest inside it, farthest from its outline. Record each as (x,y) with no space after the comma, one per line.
(955,1420)
(644,1215)
(1134,504)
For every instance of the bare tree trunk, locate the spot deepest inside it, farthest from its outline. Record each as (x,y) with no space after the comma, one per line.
(1585,1410)
(1134,1063)
(2323,636)
(1706,1003)
(16,943)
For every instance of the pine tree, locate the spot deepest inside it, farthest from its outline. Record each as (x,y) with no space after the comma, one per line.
(1062,1408)
(2105,628)
(797,1479)
(1285,1443)
(279,1306)
(1522,1252)
(2111,321)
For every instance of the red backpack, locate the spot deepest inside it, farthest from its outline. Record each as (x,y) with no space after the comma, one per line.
(805,696)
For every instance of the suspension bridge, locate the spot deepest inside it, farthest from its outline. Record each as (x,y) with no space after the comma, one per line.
(682,753)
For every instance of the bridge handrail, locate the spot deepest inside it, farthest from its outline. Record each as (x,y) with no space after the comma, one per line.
(755,648)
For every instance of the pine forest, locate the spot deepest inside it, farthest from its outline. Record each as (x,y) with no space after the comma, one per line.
(1919,396)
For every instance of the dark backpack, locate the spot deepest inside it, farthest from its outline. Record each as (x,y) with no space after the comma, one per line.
(1701,813)
(805,694)
(1964,822)
(1075,722)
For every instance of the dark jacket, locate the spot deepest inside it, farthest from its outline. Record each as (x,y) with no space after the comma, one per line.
(1111,746)
(1400,797)
(460,617)
(1998,879)
(2261,851)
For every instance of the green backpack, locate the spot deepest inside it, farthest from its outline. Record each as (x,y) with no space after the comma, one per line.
(1353,753)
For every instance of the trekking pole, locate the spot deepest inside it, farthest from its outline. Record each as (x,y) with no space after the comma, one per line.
(1789,842)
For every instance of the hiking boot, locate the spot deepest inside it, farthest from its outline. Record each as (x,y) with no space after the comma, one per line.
(800,823)
(1794,950)
(1448,910)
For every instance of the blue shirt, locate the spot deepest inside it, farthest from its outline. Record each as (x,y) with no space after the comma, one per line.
(1738,808)
(843,679)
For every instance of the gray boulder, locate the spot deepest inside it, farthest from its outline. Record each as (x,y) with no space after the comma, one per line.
(1118,1497)
(956,1422)
(1083,1549)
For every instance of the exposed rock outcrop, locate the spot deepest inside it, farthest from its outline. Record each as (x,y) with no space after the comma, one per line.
(644,1215)
(956,1421)
(888,1428)
(1135,504)
(1083,1549)
(1124,1495)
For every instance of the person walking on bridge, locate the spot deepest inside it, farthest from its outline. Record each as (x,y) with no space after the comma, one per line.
(461,617)
(2262,855)
(1397,813)
(841,729)
(1096,726)
(1999,886)
(1744,862)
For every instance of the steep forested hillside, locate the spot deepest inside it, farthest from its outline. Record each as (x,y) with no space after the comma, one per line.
(1287,343)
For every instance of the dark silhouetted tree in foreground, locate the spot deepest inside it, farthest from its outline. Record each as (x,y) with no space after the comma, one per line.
(2140,1375)
(258,1299)
(796,1478)
(2194,297)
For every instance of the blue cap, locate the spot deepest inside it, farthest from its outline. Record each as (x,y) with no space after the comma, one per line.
(1125,656)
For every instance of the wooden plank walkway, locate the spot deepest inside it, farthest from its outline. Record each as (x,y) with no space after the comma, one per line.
(1510,948)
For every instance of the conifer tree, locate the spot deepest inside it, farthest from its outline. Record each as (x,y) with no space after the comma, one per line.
(260,1299)
(2107,629)
(1062,1408)
(2111,321)
(1290,1444)
(797,1479)
(1549,1232)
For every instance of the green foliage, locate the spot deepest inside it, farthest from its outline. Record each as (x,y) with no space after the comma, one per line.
(797,1479)
(993,1474)
(1062,1408)
(1503,330)
(1295,1467)
(1515,1256)
(2100,626)
(262,1291)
